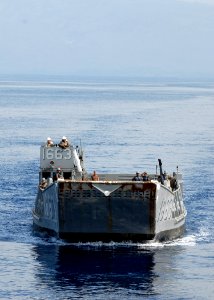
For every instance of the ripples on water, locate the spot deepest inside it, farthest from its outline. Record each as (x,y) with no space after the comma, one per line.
(124,128)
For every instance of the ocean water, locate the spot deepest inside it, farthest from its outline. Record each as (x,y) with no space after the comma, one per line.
(123,126)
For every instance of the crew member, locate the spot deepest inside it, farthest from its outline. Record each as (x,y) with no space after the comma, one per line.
(59,174)
(145,176)
(94,176)
(137,177)
(49,142)
(43,184)
(64,143)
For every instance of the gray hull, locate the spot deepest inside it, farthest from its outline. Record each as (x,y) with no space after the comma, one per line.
(110,211)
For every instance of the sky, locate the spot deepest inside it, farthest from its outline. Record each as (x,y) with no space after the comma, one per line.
(107,37)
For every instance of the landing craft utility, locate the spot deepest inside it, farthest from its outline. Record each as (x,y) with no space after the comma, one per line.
(77,206)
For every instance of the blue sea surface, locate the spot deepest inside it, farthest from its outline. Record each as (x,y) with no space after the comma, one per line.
(124,126)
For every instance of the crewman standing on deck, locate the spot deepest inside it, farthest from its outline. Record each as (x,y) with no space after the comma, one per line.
(94,176)
(145,176)
(59,174)
(137,177)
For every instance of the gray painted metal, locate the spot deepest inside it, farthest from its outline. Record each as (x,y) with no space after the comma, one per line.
(113,208)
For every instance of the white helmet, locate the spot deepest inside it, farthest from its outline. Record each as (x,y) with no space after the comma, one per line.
(48,139)
(64,138)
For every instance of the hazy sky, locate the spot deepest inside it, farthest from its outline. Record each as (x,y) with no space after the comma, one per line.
(107,37)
